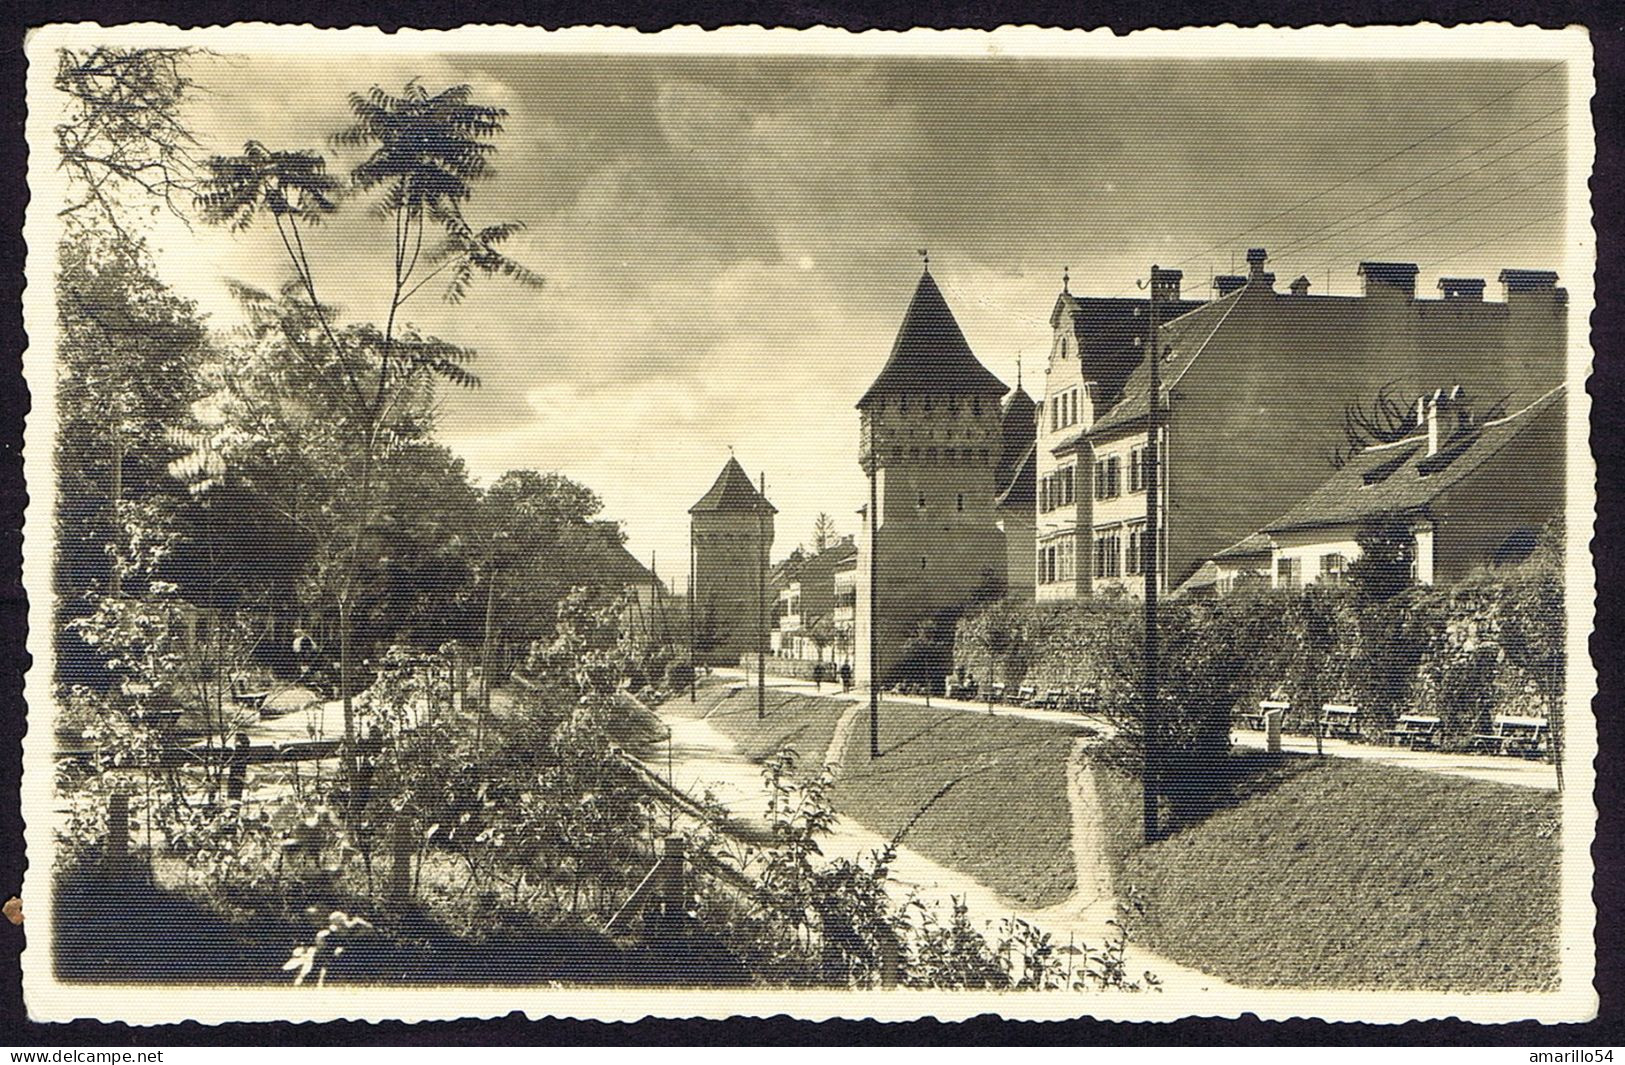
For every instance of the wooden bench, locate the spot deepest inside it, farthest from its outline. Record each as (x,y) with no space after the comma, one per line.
(1510,734)
(996,694)
(1083,700)
(1050,700)
(1340,720)
(252,700)
(967,690)
(1026,695)
(1415,731)
(1259,720)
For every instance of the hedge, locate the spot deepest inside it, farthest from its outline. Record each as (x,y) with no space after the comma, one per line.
(1491,644)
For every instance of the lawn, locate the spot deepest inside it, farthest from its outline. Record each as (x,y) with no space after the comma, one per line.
(1353,875)
(804,722)
(984,795)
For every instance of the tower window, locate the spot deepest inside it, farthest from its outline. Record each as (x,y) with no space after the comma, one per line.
(961,501)
(922,501)
(922,561)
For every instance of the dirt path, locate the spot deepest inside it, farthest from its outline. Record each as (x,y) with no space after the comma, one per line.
(704,758)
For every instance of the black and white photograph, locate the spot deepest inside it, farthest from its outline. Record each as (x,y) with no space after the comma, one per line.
(746,523)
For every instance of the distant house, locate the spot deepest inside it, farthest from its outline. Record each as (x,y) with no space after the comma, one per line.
(807,601)
(1256,384)
(1464,493)
(649,611)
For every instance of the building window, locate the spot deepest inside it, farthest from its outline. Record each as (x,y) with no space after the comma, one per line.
(1333,568)
(1066,560)
(1136,470)
(1054,414)
(1289,573)
(1069,485)
(1134,562)
(1108,473)
(1109,553)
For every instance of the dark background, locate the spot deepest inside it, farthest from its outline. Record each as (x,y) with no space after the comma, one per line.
(1607,25)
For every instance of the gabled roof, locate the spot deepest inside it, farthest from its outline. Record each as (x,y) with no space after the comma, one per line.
(732,492)
(1401,478)
(1183,337)
(931,356)
(619,563)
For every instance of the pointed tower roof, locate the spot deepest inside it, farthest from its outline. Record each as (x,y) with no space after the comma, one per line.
(931,355)
(1018,428)
(732,492)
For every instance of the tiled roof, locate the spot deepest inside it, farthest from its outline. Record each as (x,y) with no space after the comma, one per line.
(1183,337)
(931,356)
(1393,480)
(732,492)
(1246,547)
(619,563)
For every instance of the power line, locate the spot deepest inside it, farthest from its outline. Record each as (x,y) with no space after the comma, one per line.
(1498,236)
(1365,249)
(1374,166)
(1303,241)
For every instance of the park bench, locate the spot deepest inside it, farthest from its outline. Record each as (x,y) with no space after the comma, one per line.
(1259,719)
(1510,734)
(1083,700)
(1027,695)
(1415,731)
(996,693)
(965,690)
(1051,699)
(253,700)
(1340,720)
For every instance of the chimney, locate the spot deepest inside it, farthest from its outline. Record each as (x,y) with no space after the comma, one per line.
(1165,284)
(1529,283)
(1300,287)
(1470,289)
(1256,258)
(1431,410)
(1388,279)
(1225,284)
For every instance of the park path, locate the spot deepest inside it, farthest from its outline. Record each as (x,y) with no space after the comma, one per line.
(1495,769)
(706,759)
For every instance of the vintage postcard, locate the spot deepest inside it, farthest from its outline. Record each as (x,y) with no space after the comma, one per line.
(842,525)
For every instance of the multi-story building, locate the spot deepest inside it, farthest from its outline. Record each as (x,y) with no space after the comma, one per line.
(807,626)
(732,530)
(931,438)
(1097,342)
(1257,386)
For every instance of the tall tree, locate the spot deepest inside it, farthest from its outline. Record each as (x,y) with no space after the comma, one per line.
(363,389)
(122,130)
(823,532)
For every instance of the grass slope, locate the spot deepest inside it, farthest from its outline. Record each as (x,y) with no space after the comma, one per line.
(1354,875)
(804,722)
(984,795)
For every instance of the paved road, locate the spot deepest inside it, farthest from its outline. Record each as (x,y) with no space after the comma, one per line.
(1520,772)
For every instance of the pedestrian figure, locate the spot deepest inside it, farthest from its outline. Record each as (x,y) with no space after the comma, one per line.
(846,676)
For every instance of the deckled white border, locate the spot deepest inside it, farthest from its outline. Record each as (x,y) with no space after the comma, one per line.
(1576,1000)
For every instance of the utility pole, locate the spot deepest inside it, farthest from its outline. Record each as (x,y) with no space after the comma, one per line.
(1151,772)
(761,605)
(693,659)
(874,607)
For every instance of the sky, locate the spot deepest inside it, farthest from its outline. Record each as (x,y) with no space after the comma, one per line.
(729,243)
